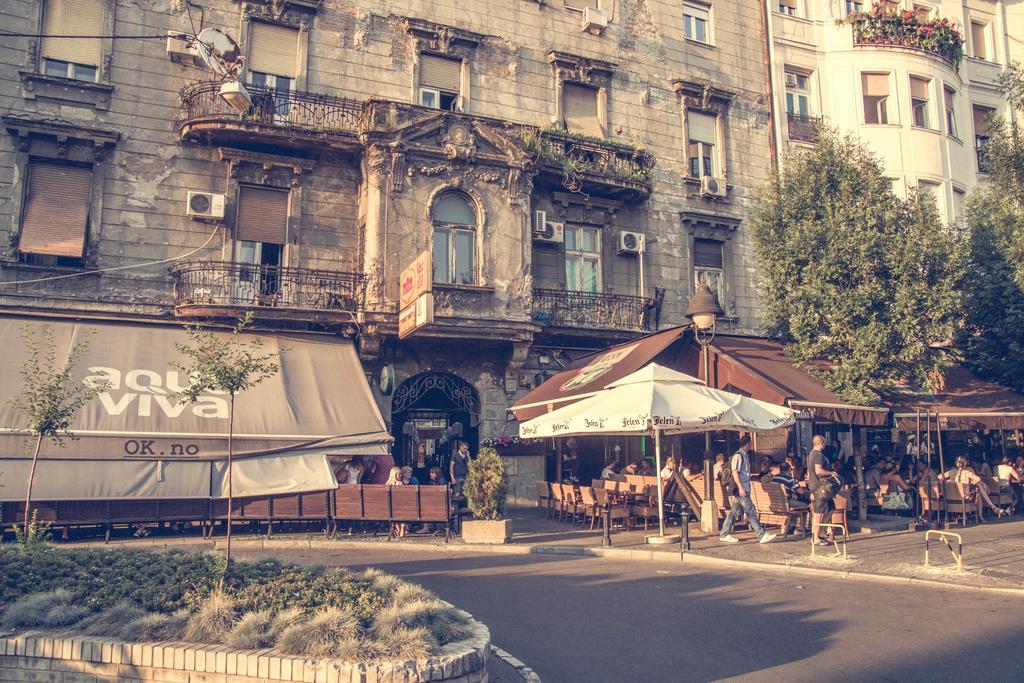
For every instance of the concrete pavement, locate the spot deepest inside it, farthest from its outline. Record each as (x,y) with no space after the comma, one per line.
(595,619)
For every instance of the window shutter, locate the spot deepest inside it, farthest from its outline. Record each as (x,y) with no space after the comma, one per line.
(702,127)
(440,73)
(707,253)
(75,18)
(56,210)
(262,215)
(981,126)
(579,109)
(875,85)
(273,49)
(947,98)
(919,88)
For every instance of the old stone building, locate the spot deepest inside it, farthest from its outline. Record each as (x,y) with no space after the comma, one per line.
(573,166)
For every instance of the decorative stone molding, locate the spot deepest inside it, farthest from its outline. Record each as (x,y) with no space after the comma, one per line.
(295,13)
(584,207)
(440,39)
(704,95)
(24,128)
(37,656)
(65,90)
(265,169)
(575,69)
(709,226)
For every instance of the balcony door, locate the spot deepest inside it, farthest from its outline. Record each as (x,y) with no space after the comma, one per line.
(583,259)
(260,232)
(273,68)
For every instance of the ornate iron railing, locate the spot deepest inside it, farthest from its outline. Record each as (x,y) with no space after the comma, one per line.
(577,155)
(802,128)
(213,283)
(287,109)
(588,310)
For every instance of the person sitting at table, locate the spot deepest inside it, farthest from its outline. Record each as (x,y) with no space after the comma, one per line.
(408,478)
(872,476)
(1009,480)
(669,469)
(719,462)
(629,469)
(974,489)
(796,467)
(765,470)
(609,470)
(398,529)
(646,469)
(890,477)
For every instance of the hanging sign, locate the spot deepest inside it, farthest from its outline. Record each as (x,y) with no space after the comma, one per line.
(416,280)
(415,316)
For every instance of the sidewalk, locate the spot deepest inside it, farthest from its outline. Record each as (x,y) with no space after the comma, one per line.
(993,552)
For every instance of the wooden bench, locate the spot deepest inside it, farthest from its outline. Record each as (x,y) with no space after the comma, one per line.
(395,504)
(774,507)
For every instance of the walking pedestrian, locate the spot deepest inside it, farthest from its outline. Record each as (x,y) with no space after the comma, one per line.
(736,481)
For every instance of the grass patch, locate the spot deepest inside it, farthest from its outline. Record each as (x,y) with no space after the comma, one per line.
(144,596)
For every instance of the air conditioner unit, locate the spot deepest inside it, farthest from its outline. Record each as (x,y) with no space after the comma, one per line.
(711,186)
(790,79)
(205,206)
(180,49)
(631,242)
(594,20)
(553,233)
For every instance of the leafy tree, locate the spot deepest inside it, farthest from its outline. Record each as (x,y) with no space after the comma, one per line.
(992,338)
(860,283)
(224,362)
(50,397)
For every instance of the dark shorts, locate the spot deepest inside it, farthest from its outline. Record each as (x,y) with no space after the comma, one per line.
(822,506)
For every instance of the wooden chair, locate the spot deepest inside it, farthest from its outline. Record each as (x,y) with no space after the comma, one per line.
(842,503)
(571,503)
(557,501)
(774,508)
(956,503)
(588,503)
(617,511)
(544,497)
(646,506)
(597,483)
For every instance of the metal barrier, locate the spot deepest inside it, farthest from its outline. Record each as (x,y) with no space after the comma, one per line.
(835,542)
(944,536)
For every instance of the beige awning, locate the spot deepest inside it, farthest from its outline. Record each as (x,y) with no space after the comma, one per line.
(137,440)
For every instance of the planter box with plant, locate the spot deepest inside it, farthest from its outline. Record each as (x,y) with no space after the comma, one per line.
(486,488)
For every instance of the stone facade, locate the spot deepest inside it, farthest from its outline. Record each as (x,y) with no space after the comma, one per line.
(364,168)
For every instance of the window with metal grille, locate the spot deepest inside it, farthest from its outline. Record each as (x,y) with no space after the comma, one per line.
(55,219)
(77,58)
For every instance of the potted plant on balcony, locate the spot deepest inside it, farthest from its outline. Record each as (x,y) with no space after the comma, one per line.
(486,488)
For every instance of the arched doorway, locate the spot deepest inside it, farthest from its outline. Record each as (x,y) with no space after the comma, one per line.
(430,413)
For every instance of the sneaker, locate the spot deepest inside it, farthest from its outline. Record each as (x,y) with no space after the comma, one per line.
(728,538)
(766,538)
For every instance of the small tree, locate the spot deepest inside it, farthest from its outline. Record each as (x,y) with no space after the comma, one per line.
(50,397)
(224,362)
(486,485)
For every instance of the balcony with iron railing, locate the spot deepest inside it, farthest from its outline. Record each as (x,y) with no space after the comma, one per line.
(559,308)
(582,163)
(901,29)
(214,289)
(802,128)
(290,118)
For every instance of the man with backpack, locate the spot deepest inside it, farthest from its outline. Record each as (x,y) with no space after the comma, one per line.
(735,480)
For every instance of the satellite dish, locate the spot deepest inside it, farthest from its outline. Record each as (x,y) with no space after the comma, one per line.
(220,52)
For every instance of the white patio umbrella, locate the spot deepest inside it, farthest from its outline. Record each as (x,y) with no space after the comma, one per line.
(657,401)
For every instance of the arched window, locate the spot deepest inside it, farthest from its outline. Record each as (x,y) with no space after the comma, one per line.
(454,239)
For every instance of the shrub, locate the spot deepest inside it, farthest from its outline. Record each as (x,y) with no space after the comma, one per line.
(486,486)
(112,622)
(406,643)
(321,635)
(444,623)
(52,609)
(155,627)
(213,620)
(252,632)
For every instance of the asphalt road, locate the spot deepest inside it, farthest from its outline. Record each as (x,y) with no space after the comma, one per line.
(588,619)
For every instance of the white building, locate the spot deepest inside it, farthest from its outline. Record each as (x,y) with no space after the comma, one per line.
(907,99)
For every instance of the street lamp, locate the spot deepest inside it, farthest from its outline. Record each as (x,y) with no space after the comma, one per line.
(703,311)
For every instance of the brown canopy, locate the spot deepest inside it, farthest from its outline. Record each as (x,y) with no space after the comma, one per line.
(759,367)
(964,403)
(592,373)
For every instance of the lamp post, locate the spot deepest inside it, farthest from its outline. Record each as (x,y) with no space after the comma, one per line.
(703,311)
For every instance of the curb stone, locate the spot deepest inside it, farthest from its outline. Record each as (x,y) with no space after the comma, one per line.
(689,558)
(526,672)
